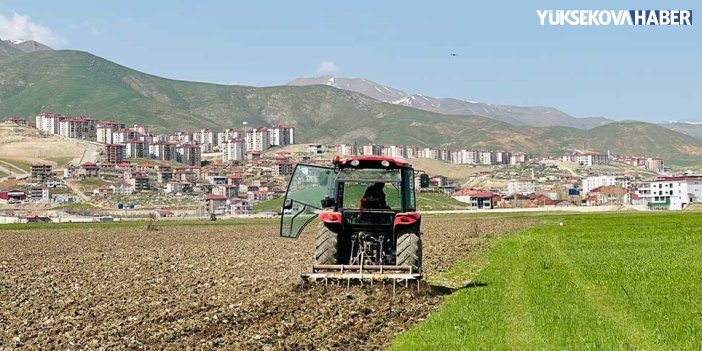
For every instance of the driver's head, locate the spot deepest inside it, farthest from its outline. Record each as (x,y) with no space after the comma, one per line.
(379,185)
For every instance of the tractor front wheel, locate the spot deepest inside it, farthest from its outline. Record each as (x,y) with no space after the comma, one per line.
(327,250)
(409,249)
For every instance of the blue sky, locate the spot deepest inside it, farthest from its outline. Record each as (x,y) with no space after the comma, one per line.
(504,55)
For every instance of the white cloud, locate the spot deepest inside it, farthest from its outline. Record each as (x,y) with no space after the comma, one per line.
(327,67)
(21,27)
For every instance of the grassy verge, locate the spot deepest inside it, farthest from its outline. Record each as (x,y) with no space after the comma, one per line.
(269,205)
(438,202)
(25,166)
(612,281)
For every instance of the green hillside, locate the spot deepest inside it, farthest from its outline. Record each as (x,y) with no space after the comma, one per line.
(78,83)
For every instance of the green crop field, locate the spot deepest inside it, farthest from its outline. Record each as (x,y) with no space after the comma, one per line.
(600,281)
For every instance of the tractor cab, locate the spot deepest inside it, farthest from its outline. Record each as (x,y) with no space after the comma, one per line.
(366,207)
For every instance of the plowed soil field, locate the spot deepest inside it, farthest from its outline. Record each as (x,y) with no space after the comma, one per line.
(209,287)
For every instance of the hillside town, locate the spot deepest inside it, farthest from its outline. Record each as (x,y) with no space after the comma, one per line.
(231,171)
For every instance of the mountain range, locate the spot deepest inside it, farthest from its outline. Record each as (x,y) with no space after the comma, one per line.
(79,83)
(535,116)
(17,47)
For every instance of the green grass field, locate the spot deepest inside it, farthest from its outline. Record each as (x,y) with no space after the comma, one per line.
(605,281)
(23,165)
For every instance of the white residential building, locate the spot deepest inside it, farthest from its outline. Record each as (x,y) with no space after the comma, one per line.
(257,139)
(487,158)
(233,150)
(207,139)
(281,135)
(49,122)
(136,149)
(122,136)
(105,131)
(523,186)
(673,193)
(78,128)
(346,150)
(163,150)
(595,182)
(587,159)
(227,134)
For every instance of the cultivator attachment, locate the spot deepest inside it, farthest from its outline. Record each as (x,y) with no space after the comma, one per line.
(360,274)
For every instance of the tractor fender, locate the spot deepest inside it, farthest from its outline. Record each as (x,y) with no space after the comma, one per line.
(331,217)
(405,219)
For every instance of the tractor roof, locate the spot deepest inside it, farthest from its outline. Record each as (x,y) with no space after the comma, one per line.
(373,162)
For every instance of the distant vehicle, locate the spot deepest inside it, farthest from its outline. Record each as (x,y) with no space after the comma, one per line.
(105,219)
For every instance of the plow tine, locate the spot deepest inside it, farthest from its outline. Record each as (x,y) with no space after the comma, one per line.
(360,274)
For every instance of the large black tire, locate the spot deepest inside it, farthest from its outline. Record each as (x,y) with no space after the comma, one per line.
(327,251)
(409,249)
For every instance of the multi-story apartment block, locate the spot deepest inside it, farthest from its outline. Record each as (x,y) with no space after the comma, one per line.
(594,182)
(587,159)
(487,158)
(372,150)
(105,130)
(233,150)
(207,139)
(163,150)
(673,193)
(345,150)
(654,164)
(122,136)
(281,135)
(40,171)
(142,129)
(183,137)
(78,128)
(49,122)
(189,154)
(522,186)
(227,134)
(114,153)
(136,148)
(257,139)
(519,157)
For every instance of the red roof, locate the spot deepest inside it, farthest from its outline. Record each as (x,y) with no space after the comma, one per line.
(89,164)
(215,197)
(473,193)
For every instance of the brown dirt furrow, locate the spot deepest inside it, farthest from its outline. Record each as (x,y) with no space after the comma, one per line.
(232,287)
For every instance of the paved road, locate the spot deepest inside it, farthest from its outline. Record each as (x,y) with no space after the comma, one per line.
(90,154)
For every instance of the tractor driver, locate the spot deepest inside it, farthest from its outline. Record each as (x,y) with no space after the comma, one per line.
(374,197)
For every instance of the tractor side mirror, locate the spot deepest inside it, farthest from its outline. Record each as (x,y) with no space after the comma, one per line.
(287,204)
(424,180)
(327,202)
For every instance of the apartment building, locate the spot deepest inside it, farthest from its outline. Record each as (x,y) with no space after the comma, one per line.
(673,193)
(281,135)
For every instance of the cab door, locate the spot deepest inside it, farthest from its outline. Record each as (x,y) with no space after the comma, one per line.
(308,186)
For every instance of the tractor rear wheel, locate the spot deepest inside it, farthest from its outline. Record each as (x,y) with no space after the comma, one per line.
(409,249)
(327,250)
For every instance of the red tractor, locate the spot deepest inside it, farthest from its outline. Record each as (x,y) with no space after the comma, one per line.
(369,228)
